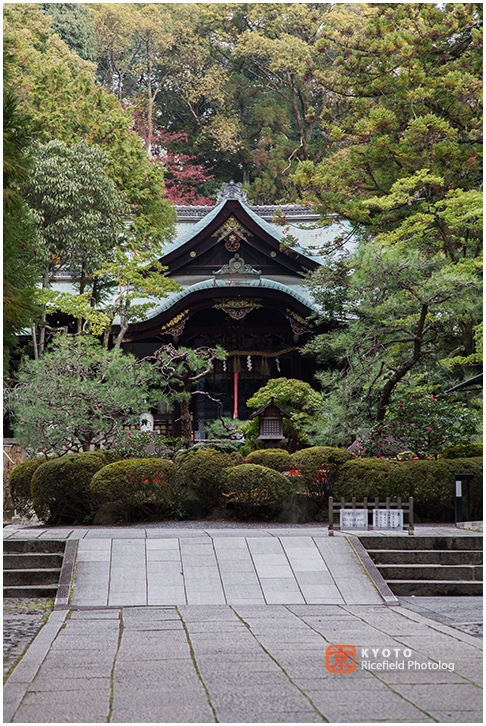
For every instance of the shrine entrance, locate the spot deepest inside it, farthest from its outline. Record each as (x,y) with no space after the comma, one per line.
(241,290)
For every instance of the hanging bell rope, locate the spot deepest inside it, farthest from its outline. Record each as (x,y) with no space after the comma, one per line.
(265,368)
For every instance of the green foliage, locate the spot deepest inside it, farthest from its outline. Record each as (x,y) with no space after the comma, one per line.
(58,88)
(257,486)
(227,428)
(21,271)
(135,276)
(77,396)
(422,424)
(410,294)
(78,210)
(137,487)
(402,309)
(276,459)
(203,471)
(142,445)
(462,451)
(20,483)
(73,23)
(424,116)
(180,370)
(297,397)
(319,467)
(430,483)
(61,487)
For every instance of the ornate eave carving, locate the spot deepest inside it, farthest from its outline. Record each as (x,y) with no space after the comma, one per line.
(237,308)
(237,266)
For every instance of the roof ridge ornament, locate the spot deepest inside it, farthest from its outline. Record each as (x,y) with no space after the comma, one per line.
(232,190)
(237,266)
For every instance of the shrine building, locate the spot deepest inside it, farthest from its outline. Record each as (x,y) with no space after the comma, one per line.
(242,290)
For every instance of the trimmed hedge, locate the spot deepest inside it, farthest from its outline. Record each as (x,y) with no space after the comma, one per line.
(429,482)
(61,487)
(276,459)
(20,484)
(202,470)
(319,466)
(252,484)
(462,451)
(137,487)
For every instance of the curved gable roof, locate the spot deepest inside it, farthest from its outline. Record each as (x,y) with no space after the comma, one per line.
(176,254)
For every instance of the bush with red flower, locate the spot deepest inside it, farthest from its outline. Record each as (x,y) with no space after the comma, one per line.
(424,425)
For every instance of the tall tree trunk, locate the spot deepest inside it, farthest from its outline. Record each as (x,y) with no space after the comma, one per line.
(43,317)
(407,365)
(186,423)
(150,103)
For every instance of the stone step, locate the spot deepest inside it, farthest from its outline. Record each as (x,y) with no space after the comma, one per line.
(11,546)
(422,542)
(33,591)
(430,572)
(45,576)
(433,588)
(32,568)
(32,560)
(438,557)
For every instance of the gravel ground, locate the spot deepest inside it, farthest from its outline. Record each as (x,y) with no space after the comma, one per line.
(22,620)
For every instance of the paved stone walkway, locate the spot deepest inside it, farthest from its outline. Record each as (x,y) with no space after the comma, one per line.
(145,639)
(246,664)
(220,568)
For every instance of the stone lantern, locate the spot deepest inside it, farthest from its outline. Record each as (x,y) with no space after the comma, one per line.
(271,417)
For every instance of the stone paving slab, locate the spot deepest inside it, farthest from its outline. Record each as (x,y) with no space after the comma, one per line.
(268,567)
(249,664)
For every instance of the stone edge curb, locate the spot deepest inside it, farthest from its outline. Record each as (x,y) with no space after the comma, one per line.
(470,526)
(374,574)
(420,618)
(65,579)
(26,669)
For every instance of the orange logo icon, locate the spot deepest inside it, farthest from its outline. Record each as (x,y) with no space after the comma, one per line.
(341,658)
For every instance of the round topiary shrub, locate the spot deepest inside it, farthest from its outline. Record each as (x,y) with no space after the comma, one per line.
(319,467)
(137,487)
(61,487)
(276,459)
(255,485)
(20,484)
(202,471)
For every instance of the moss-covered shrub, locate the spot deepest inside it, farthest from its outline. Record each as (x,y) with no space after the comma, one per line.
(276,459)
(202,471)
(462,451)
(319,467)
(429,482)
(20,483)
(61,487)
(252,484)
(137,487)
